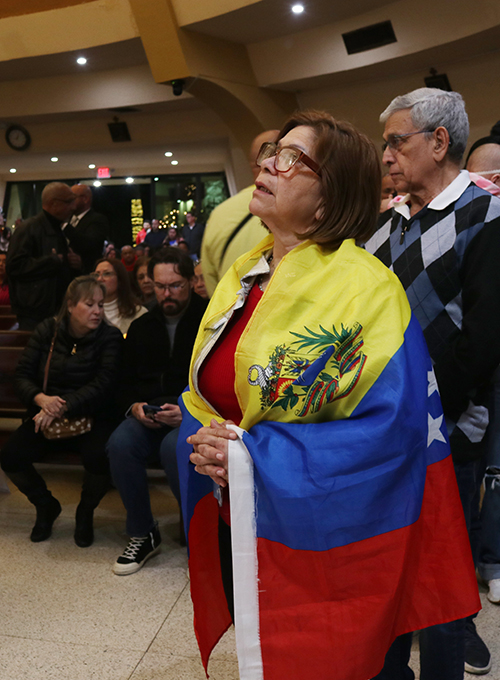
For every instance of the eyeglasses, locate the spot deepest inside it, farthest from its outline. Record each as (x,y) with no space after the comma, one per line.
(171,287)
(285,157)
(103,275)
(395,142)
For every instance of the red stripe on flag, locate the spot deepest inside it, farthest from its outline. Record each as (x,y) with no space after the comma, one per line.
(211,615)
(335,613)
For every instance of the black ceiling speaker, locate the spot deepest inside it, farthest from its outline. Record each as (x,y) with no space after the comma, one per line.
(369,37)
(119,131)
(438,80)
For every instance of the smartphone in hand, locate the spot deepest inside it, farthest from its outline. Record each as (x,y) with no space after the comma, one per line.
(150,410)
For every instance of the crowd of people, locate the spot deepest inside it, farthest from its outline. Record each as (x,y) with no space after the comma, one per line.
(321,390)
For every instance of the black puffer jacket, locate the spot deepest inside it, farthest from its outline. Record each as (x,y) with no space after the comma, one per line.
(83,371)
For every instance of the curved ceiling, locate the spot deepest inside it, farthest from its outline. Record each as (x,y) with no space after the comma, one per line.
(42,86)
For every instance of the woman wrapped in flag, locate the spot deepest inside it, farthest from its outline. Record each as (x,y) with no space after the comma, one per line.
(319,497)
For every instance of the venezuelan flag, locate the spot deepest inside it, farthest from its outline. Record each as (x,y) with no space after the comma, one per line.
(347,528)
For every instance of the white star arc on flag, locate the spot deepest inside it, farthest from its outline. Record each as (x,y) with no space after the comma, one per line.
(433,386)
(434,429)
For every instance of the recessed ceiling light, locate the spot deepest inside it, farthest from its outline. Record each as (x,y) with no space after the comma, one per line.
(174,162)
(54,159)
(156,179)
(81,60)
(297,9)
(168,154)
(130,180)
(97,183)
(92,166)
(13,170)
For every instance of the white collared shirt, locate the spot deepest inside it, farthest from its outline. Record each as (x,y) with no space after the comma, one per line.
(449,195)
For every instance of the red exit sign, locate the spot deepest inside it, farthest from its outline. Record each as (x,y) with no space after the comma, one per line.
(103,173)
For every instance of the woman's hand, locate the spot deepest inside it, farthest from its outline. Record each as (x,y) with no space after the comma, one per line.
(42,421)
(210,450)
(53,406)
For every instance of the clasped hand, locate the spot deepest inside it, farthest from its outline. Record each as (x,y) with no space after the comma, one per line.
(210,450)
(50,408)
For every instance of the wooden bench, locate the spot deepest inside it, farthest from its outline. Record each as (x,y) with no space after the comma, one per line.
(6,310)
(7,322)
(14,338)
(12,344)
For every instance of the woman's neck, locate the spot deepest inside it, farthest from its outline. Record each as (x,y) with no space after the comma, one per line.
(283,244)
(111,298)
(75,332)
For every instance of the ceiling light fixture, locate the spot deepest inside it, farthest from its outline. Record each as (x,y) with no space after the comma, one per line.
(168,154)
(91,166)
(130,180)
(54,159)
(81,60)
(174,162)
(156,179)
(13,170)
(97,183)
(297,9)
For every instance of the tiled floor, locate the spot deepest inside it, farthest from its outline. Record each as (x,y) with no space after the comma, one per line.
(66,616)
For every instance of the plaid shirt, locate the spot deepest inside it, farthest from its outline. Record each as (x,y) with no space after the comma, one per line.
(447,257)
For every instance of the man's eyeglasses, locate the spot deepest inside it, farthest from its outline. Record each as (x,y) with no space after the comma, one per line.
(103,275)
(395,142)
(285,157)
(171,287)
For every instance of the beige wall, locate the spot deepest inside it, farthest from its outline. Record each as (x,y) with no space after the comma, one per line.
(476,79)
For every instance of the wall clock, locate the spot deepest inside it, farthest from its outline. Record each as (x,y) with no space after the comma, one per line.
(17,137)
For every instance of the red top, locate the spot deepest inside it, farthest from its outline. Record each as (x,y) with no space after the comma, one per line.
(217,374)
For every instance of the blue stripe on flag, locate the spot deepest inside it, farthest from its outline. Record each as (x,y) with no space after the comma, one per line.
(320,486)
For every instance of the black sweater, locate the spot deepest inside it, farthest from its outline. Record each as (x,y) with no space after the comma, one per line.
(152,370)
(83,371)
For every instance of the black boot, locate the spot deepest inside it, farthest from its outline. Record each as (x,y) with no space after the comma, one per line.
(84,527)
(46,514)
(93,489)
(48,508)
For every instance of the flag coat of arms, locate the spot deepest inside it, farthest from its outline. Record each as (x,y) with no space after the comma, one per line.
(346,524)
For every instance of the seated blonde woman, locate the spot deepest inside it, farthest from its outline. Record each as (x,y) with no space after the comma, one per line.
(80,379)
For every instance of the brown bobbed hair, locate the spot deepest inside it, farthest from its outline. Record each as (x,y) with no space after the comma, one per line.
(127,301)
(81,288)
(350,178)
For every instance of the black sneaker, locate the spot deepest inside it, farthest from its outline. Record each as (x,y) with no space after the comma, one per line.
(477,655)
(137,552)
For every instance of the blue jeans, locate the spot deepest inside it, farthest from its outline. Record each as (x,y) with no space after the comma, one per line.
(130,448)
(489,554)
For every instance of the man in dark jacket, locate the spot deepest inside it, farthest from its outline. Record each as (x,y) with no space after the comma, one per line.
(38,267)
(192,233)
(156,365)
(86,230)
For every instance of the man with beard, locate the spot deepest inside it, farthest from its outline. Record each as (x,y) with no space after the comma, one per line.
(156,364)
